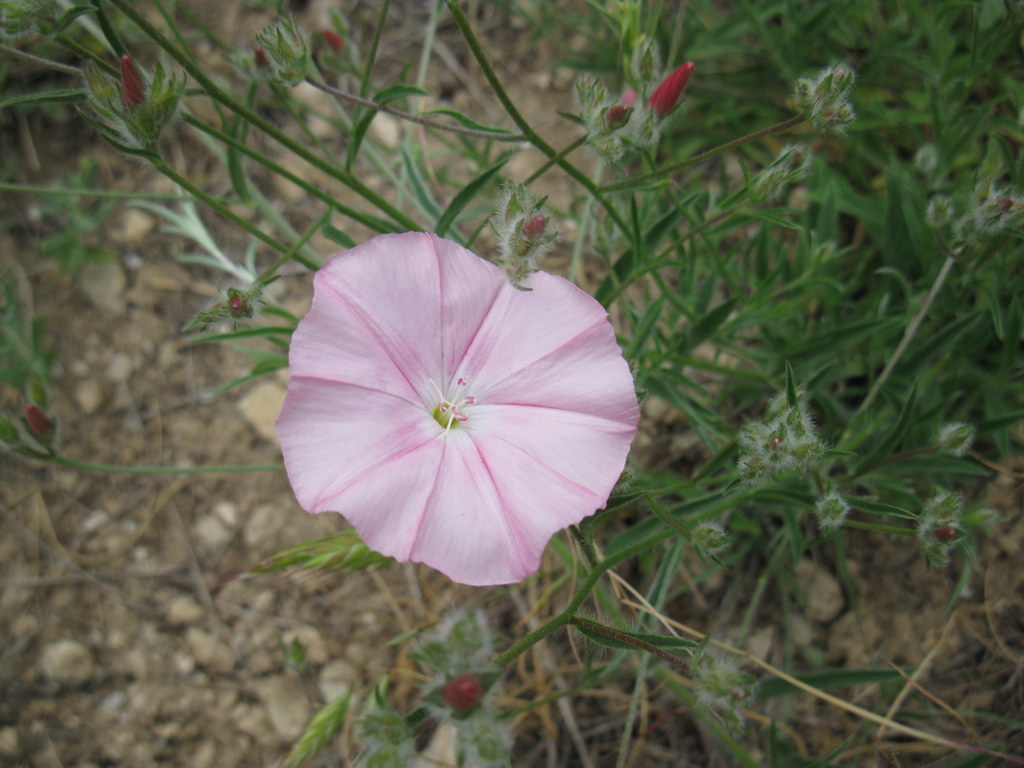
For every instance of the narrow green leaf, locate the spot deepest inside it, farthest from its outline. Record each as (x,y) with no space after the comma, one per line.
(335,235)
(461,200)
(67,19)
(343,551)
(643,329)
(324,725)
(893,436)
(791,397)
(245,333)
(878,508)
(707,325)
(108,30)
(467,122)
(46,97)
(825,679)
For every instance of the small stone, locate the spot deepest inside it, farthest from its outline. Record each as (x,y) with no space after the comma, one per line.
(120,367)
(205,756)
(183,610)
(260,407)
(210,652)
(285,702)
(337,678)
(132,227)
(89,396)
(385,129)
(823,594)
(68,662)
(227,513)
(211,533)
(759,643)
(8,740)
(104,284)
(264,524)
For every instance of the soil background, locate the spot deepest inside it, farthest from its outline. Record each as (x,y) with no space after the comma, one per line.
(132,635)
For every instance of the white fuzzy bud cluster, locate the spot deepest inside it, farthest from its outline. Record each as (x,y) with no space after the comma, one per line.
(995,210)
(721,687)
(791,165)
(708,539)
(955,439)
(830,511)
(525,232)
(825,100)
(286,48)
(786,441)
(938,527)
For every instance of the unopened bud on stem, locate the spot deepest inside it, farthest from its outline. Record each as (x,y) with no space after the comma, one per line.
(133,92)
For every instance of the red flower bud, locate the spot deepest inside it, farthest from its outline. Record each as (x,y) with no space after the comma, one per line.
(666,96)
(462,693)
(944,533)
(133,92)
(1004,204)
(534,226)
(236,302)
(39,424)
(616,116)
(629,97)
(259,55)
(333,39)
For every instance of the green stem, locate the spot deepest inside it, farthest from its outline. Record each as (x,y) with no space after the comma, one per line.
(879,527)
(566,616)
(265,276)
(227,213)
(363,218)
(888,460)
(622,637)
(562,154)
(531,135)
(83,52)
(79,192)
(215,92)
(92,466)
(778,128)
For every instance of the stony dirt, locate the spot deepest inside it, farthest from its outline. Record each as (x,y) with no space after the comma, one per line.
(133,636)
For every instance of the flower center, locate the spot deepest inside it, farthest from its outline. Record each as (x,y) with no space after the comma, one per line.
(450,410)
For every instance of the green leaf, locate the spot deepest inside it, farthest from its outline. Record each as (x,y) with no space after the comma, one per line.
(878,508)
(343,551)
(791,397)
(892,438)
(245,333)
(707,325)
(335,235)
(46,97)
(108,30)
(591,630)
(324,725)
(461,200)
(829,678)
(468,122)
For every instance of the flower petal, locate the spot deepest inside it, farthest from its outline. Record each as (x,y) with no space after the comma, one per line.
(332,433)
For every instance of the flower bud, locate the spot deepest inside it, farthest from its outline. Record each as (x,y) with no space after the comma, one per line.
(720,687)
(926,159)
(39,424)
(616,116)
(825,100)
(955,439)
(333,39)
(939,517)
(667,95)
(944,533)
(286,47)
(534,226)
(259,56)
(940,211)
(831,511)
(463,693)
(708,539)
(133,92)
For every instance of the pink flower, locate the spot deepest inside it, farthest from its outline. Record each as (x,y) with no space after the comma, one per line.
(666,96)
(453,419)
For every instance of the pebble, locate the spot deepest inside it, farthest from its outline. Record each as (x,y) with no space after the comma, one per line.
(8,740)
(263,524)
(822,591)
(260,407)
(183,610)
(120,367)
(211,533)
(132,227)
(104,285)
(386,130)
(337,678)
(286,705)
(89,396)
(68,662)
(210,652)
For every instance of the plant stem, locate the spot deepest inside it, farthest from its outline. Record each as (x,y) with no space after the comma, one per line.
(531,135)
(209,469)
(80,192)
(358,100)
(908,335)
(227,213)
(622,637)
(562,153)
(215,92)
(895,530)
(782,127)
